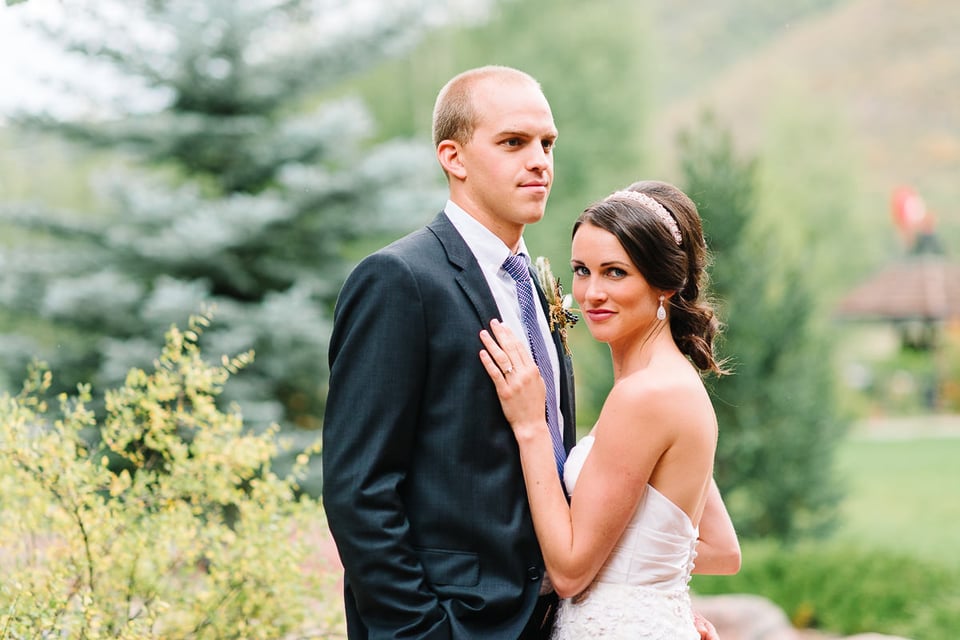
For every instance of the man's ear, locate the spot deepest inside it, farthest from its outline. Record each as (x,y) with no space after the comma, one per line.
(448,153)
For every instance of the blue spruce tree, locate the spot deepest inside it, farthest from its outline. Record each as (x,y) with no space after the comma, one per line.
(244,179)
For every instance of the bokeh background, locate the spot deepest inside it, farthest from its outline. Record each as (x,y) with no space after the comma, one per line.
(158,157)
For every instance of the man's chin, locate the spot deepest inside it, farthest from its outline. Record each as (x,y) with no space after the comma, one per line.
(533,216)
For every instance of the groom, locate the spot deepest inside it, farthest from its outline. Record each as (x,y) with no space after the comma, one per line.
(422,484)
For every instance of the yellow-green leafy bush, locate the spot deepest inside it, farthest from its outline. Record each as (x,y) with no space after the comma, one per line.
(196,536)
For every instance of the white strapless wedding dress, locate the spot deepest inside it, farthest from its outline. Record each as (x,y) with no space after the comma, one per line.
(641,591)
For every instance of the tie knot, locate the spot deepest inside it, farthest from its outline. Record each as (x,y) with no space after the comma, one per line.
(517,267)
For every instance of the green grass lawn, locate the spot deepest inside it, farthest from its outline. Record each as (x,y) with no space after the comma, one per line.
(892,566)
(902,495)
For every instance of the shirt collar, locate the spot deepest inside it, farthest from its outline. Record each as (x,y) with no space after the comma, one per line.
(489,250)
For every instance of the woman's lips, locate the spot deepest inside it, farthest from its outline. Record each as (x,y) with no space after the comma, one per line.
(599,314)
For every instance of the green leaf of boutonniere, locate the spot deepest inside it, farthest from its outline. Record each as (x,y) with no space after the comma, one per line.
(560,311)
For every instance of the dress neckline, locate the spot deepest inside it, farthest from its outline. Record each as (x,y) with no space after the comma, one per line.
(679,512)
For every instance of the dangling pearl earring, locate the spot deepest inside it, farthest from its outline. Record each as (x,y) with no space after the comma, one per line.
(661,312)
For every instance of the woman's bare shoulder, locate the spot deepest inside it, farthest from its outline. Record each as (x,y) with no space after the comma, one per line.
(668,398)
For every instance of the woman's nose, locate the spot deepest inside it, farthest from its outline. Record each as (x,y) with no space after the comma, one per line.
(595,290)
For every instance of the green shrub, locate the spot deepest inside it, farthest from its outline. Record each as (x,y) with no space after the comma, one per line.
(848,590)
(195,538)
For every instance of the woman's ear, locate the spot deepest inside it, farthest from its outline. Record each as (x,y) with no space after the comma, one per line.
(448,153)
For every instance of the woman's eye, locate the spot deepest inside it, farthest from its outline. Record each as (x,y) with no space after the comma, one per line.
(581,271)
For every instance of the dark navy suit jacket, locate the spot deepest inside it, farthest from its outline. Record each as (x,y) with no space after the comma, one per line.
(422,484)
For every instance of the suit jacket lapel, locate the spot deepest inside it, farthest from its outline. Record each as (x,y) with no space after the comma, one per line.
(470,277)
(474,285)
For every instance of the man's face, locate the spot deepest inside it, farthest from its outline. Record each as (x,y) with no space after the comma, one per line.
(509,160)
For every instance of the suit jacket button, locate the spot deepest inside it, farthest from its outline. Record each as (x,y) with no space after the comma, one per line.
(533,573)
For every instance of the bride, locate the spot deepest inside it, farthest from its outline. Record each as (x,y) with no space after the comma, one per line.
(643,511)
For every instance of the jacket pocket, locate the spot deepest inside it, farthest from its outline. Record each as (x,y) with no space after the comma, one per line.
(445,567)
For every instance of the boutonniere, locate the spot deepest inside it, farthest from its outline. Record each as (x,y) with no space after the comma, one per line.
(560,311)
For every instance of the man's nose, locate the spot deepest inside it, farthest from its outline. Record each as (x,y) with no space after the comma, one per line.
(540,158)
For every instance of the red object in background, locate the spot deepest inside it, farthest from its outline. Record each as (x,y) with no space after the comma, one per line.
(910,212)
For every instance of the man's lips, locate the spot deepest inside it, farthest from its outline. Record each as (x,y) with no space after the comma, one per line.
(535,185)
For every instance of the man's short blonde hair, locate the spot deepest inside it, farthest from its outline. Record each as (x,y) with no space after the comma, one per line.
(455,114)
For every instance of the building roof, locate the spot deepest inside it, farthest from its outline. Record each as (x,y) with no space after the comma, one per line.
(921,287)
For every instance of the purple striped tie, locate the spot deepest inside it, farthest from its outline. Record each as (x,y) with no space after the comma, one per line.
(518,269)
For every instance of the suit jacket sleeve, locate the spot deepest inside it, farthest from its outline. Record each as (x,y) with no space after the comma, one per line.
(376,377)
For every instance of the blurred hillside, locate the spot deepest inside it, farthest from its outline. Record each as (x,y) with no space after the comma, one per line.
(890,70)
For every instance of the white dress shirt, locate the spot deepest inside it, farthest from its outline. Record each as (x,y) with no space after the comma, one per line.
(490,252)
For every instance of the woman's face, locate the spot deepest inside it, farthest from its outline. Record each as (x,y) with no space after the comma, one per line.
(617,302)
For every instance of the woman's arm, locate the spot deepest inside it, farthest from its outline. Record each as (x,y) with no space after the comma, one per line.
(718,551)
(577,538)
(523,396)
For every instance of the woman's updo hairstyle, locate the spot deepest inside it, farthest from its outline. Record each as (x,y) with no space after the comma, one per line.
(664,239)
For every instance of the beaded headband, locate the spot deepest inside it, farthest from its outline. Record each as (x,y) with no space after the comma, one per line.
(657,208)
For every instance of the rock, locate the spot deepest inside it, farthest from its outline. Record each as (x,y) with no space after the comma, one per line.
(751,617)
(745,617)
